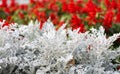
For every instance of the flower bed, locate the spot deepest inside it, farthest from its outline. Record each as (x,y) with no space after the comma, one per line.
(81,41)
(25,49)
(82,14)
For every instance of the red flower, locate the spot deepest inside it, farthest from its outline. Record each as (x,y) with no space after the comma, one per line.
(12,4)
(117,17)
(113,4)
(53,6)
(54,18)
(32,1)
(7,10)
(21,15)
(41,16)
(77,23)
(4,3)
(79,1)
(82,28)
(91,9)
(8,18)
(64,7)
(118,5)
(107,3)
(110,4)
(23,7)
(91,18)
(72,8)
(6,23)
(1,20)
(107,23)
(41,24)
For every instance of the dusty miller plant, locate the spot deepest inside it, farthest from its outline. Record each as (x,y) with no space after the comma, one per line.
(29,50)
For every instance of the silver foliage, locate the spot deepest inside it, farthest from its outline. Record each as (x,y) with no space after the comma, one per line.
(29,50)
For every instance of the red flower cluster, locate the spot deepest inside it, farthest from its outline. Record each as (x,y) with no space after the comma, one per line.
(108,19)
(76,22)
(77,13)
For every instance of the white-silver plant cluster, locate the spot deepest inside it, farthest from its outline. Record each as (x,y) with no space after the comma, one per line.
(29,50)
